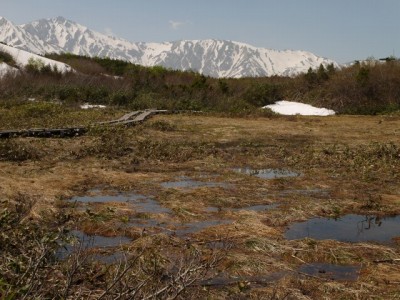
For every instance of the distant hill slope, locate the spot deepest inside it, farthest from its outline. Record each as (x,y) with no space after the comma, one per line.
(6,69)
(216,58)
(22,58)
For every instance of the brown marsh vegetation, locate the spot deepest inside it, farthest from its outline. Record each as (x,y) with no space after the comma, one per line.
(233,202)
(347,165)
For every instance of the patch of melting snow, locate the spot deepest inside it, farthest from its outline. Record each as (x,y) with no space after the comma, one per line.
(349,228)
(267,173)
(88,106)
(296,108)
(23,58)
(5,69)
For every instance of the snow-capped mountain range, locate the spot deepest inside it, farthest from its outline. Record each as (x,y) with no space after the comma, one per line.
(216,58)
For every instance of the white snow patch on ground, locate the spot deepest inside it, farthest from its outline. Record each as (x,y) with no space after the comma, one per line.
(295,108)
(6,69)
(87,106)
(22,58)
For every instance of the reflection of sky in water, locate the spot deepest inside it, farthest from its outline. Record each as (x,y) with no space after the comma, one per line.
(86,241)
(101,198)
(349,228)
(149,206)
(188,183)
(335,272)
(95,241)
(141,203)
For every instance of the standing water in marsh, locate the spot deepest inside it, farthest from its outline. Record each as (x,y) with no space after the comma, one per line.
(188,183)
(85,241)
(349,228)
(142,204)
(332,272)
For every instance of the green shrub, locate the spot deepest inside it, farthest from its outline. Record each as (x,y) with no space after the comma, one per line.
(7,58)
(34,65)
(261,94)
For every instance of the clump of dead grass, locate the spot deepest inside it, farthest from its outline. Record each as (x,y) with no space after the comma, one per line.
(18,150)
(108,142)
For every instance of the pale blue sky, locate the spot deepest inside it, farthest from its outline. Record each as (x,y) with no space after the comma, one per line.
(343,30)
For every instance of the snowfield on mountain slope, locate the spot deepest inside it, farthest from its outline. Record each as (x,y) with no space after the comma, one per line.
(215,58)
(22,58)
(6,69)
(296,108)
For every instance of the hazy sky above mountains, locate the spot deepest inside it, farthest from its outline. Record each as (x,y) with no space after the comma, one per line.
(343,30)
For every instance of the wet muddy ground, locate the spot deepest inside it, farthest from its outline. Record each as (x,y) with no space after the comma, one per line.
(295,206)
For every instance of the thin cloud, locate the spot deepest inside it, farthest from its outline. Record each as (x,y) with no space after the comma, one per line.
(175,25)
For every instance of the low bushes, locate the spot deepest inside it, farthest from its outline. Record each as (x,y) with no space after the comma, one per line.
(7,58)
(364,88)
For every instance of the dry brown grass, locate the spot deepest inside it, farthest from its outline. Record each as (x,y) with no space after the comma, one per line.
(354,159)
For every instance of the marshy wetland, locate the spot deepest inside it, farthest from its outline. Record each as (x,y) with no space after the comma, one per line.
(262,208)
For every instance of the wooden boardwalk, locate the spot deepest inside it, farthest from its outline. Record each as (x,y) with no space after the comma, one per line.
(129,119)
(122,119)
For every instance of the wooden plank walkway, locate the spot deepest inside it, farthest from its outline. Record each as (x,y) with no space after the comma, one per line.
(122,119)
(44,132)
(128,119)
(139,118)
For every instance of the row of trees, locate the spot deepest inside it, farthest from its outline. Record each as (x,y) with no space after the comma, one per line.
(360,88)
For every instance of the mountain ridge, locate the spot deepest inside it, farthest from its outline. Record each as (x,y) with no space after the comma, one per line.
(211,57)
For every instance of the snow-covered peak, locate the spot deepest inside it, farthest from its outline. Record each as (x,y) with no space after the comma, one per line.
(3,21)
(217,58)
(61,19)
(62,35)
